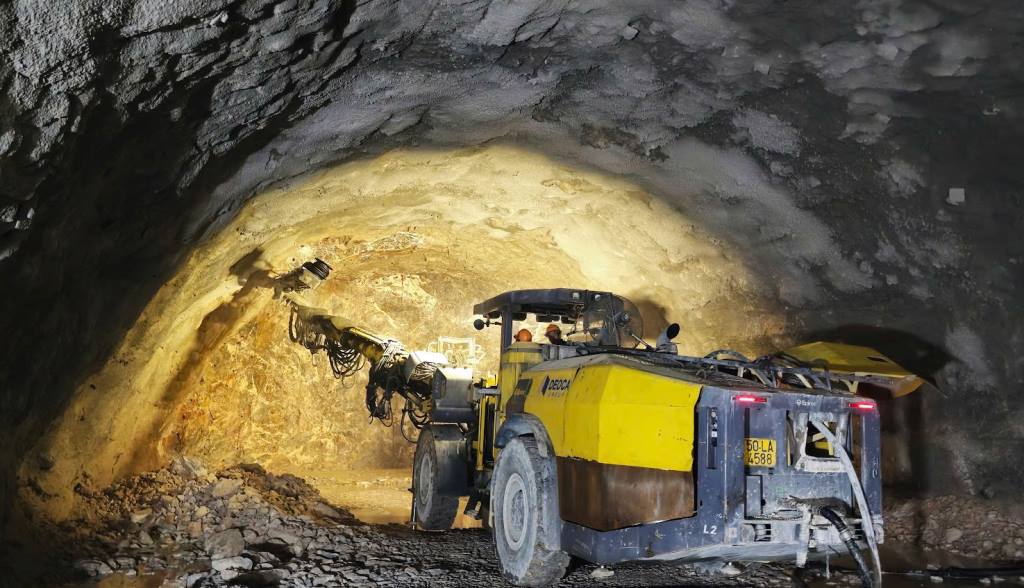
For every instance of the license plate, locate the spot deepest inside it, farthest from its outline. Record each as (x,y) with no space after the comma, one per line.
(759,452)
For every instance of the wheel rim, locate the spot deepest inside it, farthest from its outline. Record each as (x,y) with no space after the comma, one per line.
(513,511)
(425,480)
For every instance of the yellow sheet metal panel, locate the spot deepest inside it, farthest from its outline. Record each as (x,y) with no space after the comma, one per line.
(616,414)
(518,357)
(858,360)
(547,399)
(904,386)
(522,352)
(850,358)
(583,414)
(647,420)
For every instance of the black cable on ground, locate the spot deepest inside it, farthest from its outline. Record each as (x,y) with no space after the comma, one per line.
(938,572)
(846,534)
(965,572)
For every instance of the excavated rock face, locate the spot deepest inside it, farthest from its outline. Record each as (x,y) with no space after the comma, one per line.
(862,157)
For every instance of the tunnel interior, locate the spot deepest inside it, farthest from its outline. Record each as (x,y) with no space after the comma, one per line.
(415,237)
(761,175)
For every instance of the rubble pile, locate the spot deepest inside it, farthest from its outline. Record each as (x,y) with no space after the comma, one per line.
(961,525)
(241,526)
(188,528)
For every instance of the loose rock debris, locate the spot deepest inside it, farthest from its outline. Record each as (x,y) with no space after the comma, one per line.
(961,526)
(188,528)
(246,527)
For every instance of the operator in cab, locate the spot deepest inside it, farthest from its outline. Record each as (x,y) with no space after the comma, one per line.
(524,336)
(554,334)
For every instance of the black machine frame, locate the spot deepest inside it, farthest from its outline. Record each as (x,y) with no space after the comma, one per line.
(564,303)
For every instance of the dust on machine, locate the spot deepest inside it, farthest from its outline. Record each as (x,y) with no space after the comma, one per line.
(592,443)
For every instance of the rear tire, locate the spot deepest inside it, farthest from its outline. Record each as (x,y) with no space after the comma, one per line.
(527,527)
(434,512)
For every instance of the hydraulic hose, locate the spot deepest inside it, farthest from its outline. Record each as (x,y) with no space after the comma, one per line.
(867,521)
(846,534)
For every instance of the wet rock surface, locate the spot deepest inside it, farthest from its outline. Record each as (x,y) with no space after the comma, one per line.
(278,531)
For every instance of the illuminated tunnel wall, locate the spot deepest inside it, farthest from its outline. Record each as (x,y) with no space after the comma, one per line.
(757,187)
(416,237)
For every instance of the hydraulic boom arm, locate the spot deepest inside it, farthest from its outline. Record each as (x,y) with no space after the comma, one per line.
(349,348)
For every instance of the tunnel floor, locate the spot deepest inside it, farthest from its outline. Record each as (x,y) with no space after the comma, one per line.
(373,496)
(186,527)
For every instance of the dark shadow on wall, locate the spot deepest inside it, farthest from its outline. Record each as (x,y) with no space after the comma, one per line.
(219,324)
(911,463)
(655,316)
(109,232)
(910,351)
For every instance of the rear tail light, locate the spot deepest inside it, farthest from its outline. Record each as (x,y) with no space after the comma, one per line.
(863,405)
(750,399)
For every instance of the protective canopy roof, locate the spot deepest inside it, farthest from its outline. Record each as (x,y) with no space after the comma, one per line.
(552,301)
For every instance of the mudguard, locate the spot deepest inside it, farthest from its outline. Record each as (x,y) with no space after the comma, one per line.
(519,424)
(453,465)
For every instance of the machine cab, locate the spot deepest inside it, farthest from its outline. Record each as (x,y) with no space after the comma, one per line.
(587,318)
(593,318)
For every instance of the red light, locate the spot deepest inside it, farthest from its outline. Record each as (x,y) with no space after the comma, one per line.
(750,399)
(863,405)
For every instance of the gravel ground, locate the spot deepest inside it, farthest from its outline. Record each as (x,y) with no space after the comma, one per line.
(184,527)
(960,525)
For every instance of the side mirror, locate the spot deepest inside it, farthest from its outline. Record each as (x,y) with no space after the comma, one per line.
(672,331)
(479,324)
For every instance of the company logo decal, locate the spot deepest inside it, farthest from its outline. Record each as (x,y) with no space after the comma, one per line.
(555,386)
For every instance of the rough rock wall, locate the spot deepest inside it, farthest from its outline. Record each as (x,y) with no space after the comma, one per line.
(823,140)
(416,237)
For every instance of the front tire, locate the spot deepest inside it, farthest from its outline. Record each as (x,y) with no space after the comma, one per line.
(434,511)
(527,527)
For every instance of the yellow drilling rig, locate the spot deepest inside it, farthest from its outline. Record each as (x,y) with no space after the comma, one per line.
(604,447)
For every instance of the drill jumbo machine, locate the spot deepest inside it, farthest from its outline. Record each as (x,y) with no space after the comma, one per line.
(604,447)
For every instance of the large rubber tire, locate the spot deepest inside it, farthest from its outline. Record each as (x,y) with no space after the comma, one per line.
(434,512)
(527,528)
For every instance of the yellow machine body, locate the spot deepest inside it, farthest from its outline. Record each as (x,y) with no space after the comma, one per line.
(622,431)
(609,410)
(518,357)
